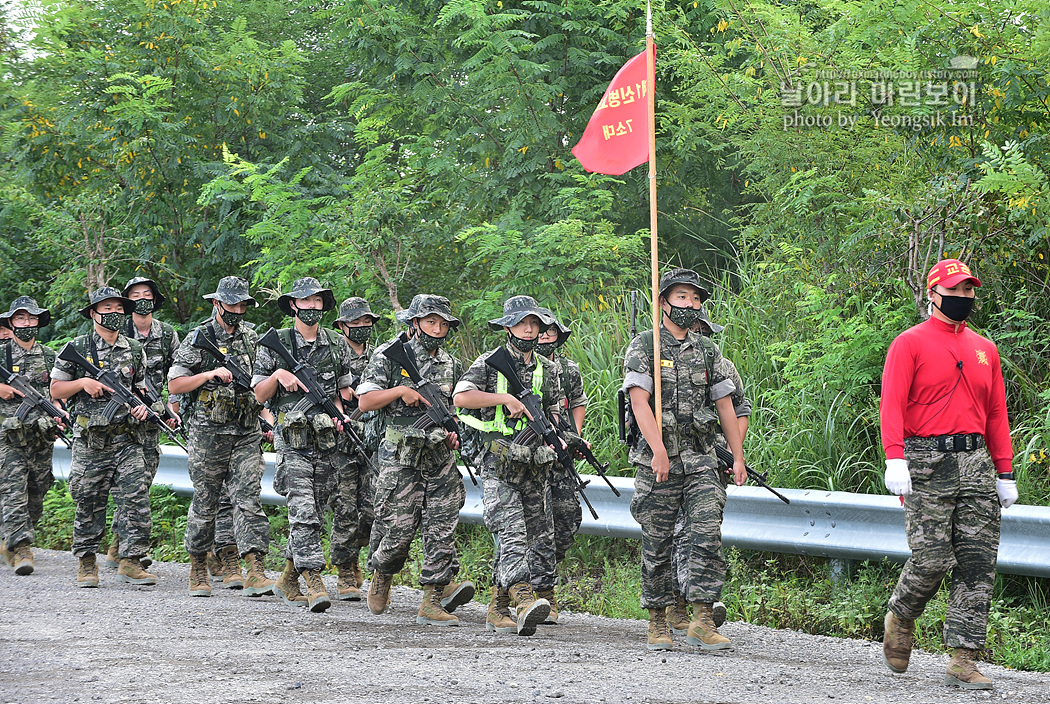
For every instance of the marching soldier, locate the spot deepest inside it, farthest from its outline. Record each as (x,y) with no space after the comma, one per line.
(26,446)
(516,477)
(676,470)
(308,464)
(225,457)
(107,452)
(419,487)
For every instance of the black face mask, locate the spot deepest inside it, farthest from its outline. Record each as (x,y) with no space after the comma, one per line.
(428,342)
(957,308)
(546,348)
(359,335)
(229,317)
(309,316)
(144,306)
(27,333)
(112,321)
(523,345)
(683,317)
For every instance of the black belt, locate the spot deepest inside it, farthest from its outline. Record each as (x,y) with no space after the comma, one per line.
(946,443)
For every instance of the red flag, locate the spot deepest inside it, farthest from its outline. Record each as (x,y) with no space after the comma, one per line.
(617,137)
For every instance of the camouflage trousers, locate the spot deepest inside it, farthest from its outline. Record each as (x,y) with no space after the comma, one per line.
(226,465)
(566,513)
(952,519)
(352,510)
(118,467)
(425,498)
(700,498)
(151,458)
(680,554)
(25,477)
(518,514)
(224,533)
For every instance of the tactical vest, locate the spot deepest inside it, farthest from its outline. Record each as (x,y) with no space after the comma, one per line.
(291,399)
(499,426)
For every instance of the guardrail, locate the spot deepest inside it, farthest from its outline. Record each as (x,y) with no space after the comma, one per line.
(832,524)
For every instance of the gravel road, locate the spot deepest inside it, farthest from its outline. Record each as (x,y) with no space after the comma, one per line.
(121,643)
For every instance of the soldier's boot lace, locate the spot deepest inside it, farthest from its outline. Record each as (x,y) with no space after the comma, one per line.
(963,672)
(316,594)
(379,592)
(897,641)
(702,630)
(431,612)
(345,588)
(87,573)
(131,571)
(531,610)
(500,619)
(23,559)
(287,586)
(199,585)
(256,583)
(659,634)
(456,594)
(548,594)
(678,616)
(230,560)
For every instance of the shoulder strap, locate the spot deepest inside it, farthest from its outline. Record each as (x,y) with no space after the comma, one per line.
(10,361)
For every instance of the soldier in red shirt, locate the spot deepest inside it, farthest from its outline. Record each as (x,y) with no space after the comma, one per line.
(948,453)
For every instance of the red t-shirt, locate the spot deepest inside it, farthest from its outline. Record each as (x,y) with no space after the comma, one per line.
(925,392)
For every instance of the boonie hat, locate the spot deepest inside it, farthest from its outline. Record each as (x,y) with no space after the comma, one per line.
(948,273)
(563,331)
(231,291)
(29,306)
(353,308)
(405,315)
(430,304)
(714,327)
(158,297)
(304,288)
(516,308)
(104,294)
(683,276)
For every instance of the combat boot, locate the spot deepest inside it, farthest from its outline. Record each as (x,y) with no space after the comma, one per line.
(355,567)
(23,559)
(316,594)
(897,642)
(113,553)
(345,588)
(287,586)
(131,571)
(456,594)
(199,576)
(257,583)
(718,613)
(548,594)
(531,611)
(145,561)
(678,616)
(231,567)
(499,618)
(9,557)
(431,612)
(214,567)
(379,592)
(702,630)
(963,672)
(87,573)
(659,635)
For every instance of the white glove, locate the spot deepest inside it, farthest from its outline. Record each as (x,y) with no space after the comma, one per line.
(1007,491)
(898,478)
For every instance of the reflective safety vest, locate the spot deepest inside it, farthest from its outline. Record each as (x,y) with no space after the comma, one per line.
(499,424)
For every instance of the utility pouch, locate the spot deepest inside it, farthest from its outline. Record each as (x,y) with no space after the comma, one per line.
(410,446)
(295,429)
(247,410)
(221,405)
(13,431)
(436,447)
(324,431)
(519,459)
(671,435)
(97,431)
(543,458)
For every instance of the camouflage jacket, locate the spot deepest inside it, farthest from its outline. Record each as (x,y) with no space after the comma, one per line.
(571,382)
(34,364)
(328,354)
(160,346)
(383,373)
(124,356)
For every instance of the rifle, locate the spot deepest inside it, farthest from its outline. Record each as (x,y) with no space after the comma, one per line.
(120,396)
(540,426)
(152,396)
(31,398)
(436,411)
(725,456)
(625,417)
(315,392)
(241,377)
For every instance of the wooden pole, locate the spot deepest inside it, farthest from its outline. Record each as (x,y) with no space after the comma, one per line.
(654,253)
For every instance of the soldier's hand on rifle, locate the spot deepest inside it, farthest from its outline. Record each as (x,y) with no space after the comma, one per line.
(411,397)
(515,408)
(95,389)
(288,381)
(61,422)
(222,374)
(739,472)
(140,412)
(173,423)
(339,423)
(452,441)
(9,392)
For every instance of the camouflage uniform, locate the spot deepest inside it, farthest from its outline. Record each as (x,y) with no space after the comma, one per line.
(308,463)
(952,510)
(742,408)
(225,456)
(419,486)
(564,501)
(516,489)
(693,378)
(107,456)
(26,447)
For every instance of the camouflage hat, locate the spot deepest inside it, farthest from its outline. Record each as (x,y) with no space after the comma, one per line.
(104,294)
(405,316)
(158,297)
(563,331)
(683,276)
(430,304)
(713,327)
(304,288)
(29,306)
(516,308)
(231,291)
(353,308)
